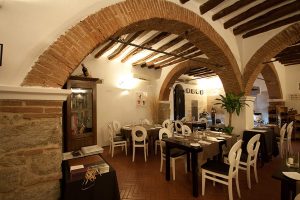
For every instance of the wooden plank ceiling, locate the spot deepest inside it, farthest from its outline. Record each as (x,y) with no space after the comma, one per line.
(249,18)
(154,50)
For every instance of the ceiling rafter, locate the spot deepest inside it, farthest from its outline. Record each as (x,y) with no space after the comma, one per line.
(250,12)
(162,48)
(155,38)
(122,47)
(184,47)
(268,17)
(107,47)
(274,25)
(172,58)
(234,7)
(208,5)
(193,55)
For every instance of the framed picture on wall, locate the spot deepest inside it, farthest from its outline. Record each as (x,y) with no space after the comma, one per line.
(141,98)
(1,52)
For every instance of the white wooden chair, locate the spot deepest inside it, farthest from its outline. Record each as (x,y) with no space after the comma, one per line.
(289,130)
(175,153)
(139,140)
(281,140)
(146,121)
(184,119)
(222,172)
(116,127)
(186,130)
(166,123)
(178,126)
(115,141)
(251,158)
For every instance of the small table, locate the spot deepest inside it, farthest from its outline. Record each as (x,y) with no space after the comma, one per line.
(104,187)
(288,185)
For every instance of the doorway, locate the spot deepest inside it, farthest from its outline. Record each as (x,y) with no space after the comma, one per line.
(179,102)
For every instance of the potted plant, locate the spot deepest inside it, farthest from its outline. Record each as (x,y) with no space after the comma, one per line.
(232,103)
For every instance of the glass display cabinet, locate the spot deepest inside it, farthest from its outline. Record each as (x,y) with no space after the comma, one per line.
(80,113)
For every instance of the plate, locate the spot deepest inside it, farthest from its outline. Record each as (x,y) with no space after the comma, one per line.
(220,138)
(178,136)
(204,142)
(292,175)
(195,144)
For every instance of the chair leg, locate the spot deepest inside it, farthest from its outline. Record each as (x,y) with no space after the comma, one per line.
(112,151)
(230,189)
(248,176)
(161,163)
(155,148)
(110,147)
(133,153)
(255,172)
(145,153)
(185,163)
(126,148)
(203,182)
(173,168)
(147,149)
(237,185)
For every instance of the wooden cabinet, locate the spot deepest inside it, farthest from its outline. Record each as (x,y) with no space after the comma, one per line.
(80,117)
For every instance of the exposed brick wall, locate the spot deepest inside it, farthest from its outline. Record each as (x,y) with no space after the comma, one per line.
(271,78)
(271,48)
(31,147)
(54,66)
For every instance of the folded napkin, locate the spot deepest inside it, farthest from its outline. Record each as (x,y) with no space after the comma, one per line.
(178,136)
(292,175)
(203,142)
(220,138)
(195,144)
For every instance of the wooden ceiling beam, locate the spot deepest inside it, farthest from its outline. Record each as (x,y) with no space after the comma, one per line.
(155,38)
(198,69)
(250,12)
(162,48)
(208,5)
(229,9)
(194,73)
(106,48)
(288,57)
(129,38)
(272,26)
(288,51)
(268,17)
(196,54)
(184,53)
(289,64)
(184,47)
(207,75)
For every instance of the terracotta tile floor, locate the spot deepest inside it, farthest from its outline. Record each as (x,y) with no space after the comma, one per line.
(140,180)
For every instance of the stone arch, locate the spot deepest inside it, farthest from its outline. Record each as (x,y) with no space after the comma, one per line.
(271,78)
(54,66)
(282,40)
(180,69)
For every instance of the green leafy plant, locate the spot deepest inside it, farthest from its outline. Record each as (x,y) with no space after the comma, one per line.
(232,103)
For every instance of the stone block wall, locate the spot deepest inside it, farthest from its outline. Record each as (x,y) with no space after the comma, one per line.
(30,149)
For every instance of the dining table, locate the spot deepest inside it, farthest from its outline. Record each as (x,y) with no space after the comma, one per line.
(152,133)
(207,142)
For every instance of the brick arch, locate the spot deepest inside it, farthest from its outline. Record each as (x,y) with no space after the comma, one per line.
(175,73)
(282,40)
(54,66)
(271,78)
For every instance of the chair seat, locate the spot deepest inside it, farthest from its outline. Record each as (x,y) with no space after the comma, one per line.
(175,152)
(140,143)
(217,167)
(119,139)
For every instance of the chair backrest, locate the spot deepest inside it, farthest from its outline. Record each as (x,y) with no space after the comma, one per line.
(178,126)
(146,121)
(283,130)
(163,133)
(183,119)
(234,157)
(139,134)
(186,130)
(203,120)
(253,146)
(166,123)
(110,131)
(116,126)
(290,130)
(171,128)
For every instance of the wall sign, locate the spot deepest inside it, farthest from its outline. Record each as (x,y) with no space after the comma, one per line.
(194,91)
